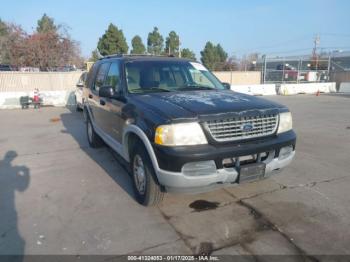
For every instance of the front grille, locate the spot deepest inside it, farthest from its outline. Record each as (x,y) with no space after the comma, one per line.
(234,128)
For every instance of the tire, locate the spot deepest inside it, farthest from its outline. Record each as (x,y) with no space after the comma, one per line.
(152,194)
(85,114)
(77,106)
(94,140)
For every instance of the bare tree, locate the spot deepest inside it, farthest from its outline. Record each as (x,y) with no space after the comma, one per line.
(248,62)
(45,49)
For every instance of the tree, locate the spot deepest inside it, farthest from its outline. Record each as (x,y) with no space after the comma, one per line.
(3,29)
(208,56)
(4,42)
(51,50)
(248,62)
(95,55)
(137,46)
(172,44)
(45,49)
(112,42)
(15,45)
(213,57)
(221,53)
(155,42)
(46,24)
(187,53)
(232,64)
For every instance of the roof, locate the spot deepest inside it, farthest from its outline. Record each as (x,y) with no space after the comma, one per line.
(145,58)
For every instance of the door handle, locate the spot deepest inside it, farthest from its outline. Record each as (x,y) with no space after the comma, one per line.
(90,96)
(102,102)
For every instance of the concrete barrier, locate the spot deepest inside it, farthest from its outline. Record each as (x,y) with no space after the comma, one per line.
(257,90)
(344,87)
(55,88)
(308,88)
(11,100)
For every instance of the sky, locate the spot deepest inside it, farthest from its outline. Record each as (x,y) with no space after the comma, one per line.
(269,27)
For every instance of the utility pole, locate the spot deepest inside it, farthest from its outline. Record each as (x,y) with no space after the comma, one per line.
(314,52)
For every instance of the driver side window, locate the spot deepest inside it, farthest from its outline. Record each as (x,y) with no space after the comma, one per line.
(100,77)
(113,77)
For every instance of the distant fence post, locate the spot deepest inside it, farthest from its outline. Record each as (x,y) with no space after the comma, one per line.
(329,67)
(264,70)
(283,71)
(298,74)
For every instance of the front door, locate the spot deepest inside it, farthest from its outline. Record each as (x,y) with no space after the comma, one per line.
(113,122)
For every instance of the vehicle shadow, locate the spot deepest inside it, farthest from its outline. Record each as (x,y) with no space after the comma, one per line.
(12,178)
(74,125)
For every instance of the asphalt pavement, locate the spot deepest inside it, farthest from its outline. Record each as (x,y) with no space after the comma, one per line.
(59,196)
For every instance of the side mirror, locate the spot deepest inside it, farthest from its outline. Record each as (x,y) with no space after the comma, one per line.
(227,86)
(106,91)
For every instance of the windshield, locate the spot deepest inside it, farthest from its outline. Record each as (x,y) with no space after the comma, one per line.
(168,76)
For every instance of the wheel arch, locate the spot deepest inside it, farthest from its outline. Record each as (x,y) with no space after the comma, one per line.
(132,134)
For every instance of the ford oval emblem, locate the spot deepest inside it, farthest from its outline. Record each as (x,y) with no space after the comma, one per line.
(246,127)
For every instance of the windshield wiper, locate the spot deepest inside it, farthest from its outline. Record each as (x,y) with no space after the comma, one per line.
(157,89)
(195,87)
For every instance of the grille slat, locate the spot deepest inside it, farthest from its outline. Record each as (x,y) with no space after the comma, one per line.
(240,121)
(231,129)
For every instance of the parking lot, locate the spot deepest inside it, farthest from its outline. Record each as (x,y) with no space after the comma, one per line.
(59,196)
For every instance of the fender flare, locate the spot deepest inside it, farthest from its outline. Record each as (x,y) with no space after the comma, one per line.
(133,129)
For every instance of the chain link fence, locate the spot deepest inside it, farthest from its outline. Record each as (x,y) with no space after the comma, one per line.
(293,70)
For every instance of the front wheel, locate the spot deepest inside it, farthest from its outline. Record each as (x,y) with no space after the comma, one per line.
(146,187)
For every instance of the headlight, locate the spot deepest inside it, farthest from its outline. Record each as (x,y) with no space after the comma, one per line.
(285,122)
(180,135)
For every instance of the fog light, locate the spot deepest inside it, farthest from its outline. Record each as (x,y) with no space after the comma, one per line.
(285,152)
(199,168)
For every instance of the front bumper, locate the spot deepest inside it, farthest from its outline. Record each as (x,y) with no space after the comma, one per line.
(179,182)
(174,179)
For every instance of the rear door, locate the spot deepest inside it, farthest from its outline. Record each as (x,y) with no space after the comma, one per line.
(96,105)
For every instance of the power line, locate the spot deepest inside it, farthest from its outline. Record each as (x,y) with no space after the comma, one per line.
(335,34)
(289,51)
(279,44)
(293,40)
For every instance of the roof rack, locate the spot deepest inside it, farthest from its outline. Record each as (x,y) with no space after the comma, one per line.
(131,55)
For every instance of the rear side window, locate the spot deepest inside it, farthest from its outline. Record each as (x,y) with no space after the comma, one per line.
(100,77)
(113,77)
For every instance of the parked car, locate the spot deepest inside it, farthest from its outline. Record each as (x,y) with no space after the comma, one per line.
(180,129)
(289,72)
(5,67)
(79,101)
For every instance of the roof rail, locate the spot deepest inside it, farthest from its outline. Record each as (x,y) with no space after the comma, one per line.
(131,55)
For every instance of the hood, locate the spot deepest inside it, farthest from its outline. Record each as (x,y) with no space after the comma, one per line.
(204,104)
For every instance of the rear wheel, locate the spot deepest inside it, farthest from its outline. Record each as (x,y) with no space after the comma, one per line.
(146,187)
(93,138)
(77,105)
